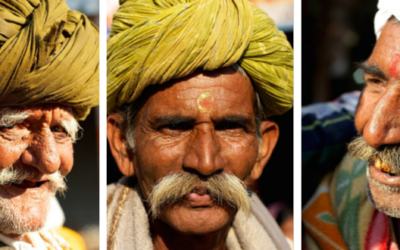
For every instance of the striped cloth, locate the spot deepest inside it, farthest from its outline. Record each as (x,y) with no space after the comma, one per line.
(326,128)
(338,214)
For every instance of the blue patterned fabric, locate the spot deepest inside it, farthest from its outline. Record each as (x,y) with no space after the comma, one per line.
(326,130)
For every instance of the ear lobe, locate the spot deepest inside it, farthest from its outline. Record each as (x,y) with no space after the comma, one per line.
(270,135)
(118,144)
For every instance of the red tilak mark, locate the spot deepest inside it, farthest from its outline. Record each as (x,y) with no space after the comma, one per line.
(205,102)
(394,69)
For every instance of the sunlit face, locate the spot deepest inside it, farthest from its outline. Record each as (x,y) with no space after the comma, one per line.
(204,124)
(36,142)
(378,116)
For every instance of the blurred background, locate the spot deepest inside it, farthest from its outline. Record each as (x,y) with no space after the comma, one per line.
(81,201)
(336,34)
(275,186)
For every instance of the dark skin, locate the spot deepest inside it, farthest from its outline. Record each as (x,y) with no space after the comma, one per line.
(174,135)
(378,112)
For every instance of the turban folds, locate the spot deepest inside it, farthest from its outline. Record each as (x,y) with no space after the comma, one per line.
(154,41)
(48,54)
(386,9)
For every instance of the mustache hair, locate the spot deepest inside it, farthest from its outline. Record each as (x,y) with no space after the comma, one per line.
(223,187)
(10,175)
(390,154)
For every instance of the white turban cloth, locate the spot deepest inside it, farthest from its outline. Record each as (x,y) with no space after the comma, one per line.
(386,9)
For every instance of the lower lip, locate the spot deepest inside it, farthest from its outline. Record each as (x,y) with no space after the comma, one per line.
(16,189)
(199,200)
(393,181)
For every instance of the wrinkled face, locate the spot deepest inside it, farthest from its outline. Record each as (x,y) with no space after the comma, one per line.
(378,119)
(205,125)
(35,145)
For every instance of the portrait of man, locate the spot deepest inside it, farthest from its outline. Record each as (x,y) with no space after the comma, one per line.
(49,57)
(357,205)
(191,87)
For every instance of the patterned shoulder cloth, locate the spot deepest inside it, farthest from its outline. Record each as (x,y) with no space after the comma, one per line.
(339,215)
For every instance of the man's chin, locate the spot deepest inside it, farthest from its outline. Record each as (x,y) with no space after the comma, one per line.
(200,220)
(15,222)
(384,192)
(24,213)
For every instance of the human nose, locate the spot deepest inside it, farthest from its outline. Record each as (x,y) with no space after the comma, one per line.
(203,153)
(42,153)
(383,128)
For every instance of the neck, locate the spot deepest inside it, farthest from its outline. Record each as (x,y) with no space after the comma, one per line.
(166,238)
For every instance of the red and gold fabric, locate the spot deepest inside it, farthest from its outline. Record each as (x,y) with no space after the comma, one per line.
(339,215)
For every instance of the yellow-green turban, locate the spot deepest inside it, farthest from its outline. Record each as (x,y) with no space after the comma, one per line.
(153,41)
(48,54)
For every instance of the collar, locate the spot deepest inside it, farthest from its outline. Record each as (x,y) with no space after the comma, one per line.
(33,237)
(16,244)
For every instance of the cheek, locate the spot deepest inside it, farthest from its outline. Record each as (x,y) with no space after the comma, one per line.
(66,157)
(240,156)
(10,152)
(155,159)
(364,110)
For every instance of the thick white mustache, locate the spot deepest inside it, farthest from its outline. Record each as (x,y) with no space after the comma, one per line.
(10,175)
(224,188)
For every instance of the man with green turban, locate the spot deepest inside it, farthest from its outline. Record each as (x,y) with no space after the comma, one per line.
(49,57)
(191,87)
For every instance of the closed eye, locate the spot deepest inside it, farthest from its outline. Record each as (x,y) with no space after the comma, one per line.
(9,126)
(374,80)
(177,126)
(226,125)
(13,126)
(58,129)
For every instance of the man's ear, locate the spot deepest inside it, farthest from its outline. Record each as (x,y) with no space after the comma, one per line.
(118,144)
(270,134)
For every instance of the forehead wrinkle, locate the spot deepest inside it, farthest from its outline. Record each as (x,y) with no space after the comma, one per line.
(216,94)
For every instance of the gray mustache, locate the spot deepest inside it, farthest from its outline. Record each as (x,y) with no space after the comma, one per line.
(223,187)
(390,154)
(11,175)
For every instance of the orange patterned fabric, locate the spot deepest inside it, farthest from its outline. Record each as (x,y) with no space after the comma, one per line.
(339,215)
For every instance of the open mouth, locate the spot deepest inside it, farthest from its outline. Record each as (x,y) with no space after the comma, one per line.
(384,173)
(29,184)
(384,168)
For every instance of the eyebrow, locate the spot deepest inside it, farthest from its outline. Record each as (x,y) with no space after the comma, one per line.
(72,127)
(244,120)
(371,69)
(173,119)
(176,119)
(10,117)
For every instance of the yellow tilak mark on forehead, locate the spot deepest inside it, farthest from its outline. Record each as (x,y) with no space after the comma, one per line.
(205,102)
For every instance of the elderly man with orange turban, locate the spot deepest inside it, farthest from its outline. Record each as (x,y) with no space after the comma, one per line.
(48,81)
